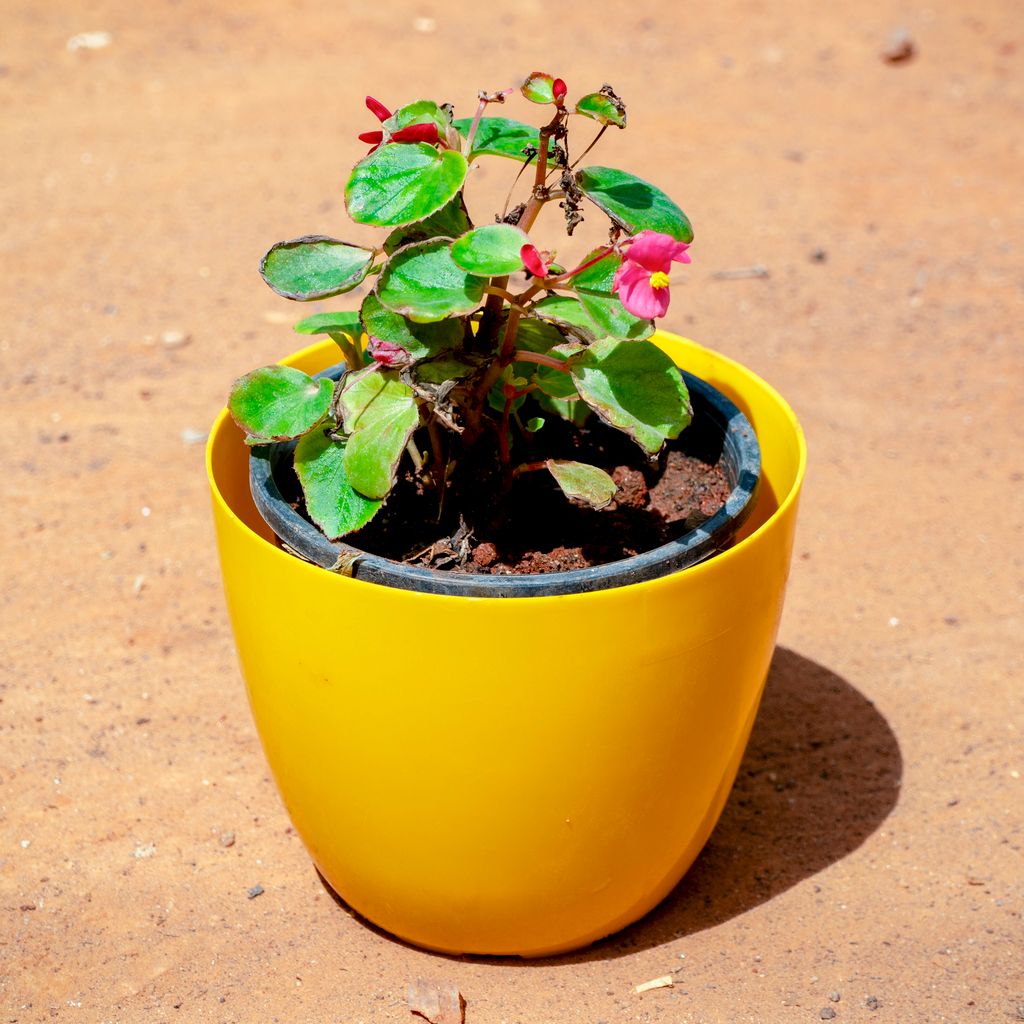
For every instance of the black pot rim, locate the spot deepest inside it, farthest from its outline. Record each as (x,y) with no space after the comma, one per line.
(303,539)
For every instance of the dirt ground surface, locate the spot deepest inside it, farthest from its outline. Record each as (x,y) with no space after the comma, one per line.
(868,866)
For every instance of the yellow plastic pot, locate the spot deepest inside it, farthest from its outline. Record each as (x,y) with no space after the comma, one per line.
(509,776)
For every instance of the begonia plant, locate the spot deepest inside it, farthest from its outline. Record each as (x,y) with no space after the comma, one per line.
(474,335)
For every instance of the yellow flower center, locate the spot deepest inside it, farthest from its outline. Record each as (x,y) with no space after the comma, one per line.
(659,279)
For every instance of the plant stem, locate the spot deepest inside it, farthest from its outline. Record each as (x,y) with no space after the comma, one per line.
(597,138)
(503,446)
(521,355)
(481,107)
(596,258)
(351,352)
(529,467)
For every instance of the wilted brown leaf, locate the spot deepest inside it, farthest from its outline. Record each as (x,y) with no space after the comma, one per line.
(437,1002)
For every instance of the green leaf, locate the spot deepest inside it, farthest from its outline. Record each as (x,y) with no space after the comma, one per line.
(537,336)
(380,414)
(420,112)
(343,322)
(421,341)
(450,221)
(534,423)
(403,182)
(538,88)
(423,282)
(632,203)
(331,501)
(575,412)
(602,108)
(594,288)
(491,250)
(585,483)
(500,136)
(570,314)
(635,387)
(277,403)
(314,267)
(438,371)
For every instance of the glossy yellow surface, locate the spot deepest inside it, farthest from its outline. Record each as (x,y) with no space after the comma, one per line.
(516,776)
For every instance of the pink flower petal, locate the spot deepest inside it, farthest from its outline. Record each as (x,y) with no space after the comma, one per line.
(656,251)
(633,285)
(533,261)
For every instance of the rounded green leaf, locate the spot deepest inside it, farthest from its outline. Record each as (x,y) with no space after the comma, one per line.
(403,182)
(538,87)
(635,387)
(277,403)
(491,250)
(314,267)
(632,203)
(331,501)
(594,290)
(423,282)
(421,341)
(501,136)
(602,108)
(380,414)
(570,314)
(344,322)
(585,483)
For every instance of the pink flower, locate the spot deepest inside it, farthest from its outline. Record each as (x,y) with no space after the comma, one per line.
(424,132)
(642,280)
(533,260)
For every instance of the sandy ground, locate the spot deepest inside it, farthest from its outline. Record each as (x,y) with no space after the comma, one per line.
(872,847)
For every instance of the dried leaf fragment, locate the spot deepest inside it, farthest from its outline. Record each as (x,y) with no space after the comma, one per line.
(437,1002)
(665,981)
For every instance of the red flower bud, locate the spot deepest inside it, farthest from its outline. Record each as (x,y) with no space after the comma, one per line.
(533,261)
(558,90)
(377,109)
(387,353)
(425,132)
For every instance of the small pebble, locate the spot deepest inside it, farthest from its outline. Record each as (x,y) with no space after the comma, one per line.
(90,41)
(872,1002)
(256,890)
(827,1013)
(819,256)
(175,339)
(227,839)
(144,852)
(192,436)
(899,48)
(834,997)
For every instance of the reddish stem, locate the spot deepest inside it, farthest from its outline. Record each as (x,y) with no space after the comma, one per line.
(521,355)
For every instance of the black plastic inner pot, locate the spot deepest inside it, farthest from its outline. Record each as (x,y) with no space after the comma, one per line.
(719,426)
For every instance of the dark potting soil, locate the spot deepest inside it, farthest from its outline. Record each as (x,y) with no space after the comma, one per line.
(532,527)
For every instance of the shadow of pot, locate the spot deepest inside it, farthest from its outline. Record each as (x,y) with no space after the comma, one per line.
(480,775)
